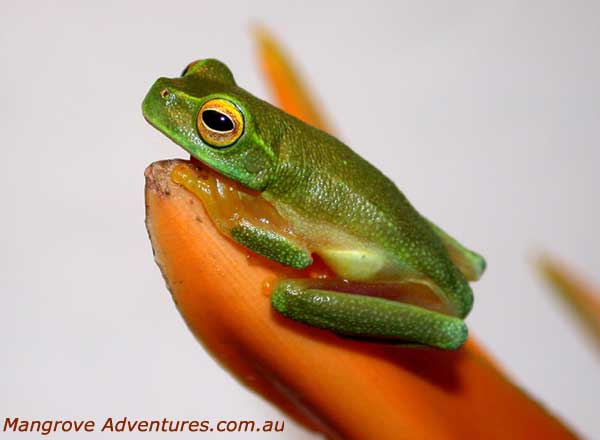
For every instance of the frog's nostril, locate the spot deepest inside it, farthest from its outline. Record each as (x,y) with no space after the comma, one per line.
(165,93)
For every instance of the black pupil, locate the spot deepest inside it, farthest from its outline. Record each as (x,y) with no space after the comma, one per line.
(217,121)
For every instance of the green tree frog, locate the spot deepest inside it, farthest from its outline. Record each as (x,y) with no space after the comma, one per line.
(292,193)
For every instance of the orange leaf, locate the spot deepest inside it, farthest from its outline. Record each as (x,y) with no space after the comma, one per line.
(582,298)
(290,92)
(337,386)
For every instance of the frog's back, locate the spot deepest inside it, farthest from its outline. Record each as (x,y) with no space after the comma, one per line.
(323,182)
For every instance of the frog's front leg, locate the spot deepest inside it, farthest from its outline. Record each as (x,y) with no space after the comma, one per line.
(318,304)
(272,245)
(244,216)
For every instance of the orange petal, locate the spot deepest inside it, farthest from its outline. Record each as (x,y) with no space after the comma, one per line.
(337,386)
(582,298)
(288,88)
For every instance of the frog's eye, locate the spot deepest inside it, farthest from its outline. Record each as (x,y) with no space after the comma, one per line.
(220,123)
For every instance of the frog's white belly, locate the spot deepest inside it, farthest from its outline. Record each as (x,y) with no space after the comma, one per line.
(348,256)
(354,264)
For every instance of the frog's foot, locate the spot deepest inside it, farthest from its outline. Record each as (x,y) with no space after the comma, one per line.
(368,315)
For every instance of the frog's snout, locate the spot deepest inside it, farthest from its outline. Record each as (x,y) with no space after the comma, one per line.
(161,87)
(165,93)
(155,100)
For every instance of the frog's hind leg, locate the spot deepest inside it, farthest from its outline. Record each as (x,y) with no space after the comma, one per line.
(371,316)
(470,263)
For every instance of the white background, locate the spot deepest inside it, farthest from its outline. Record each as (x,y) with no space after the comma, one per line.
(486,116)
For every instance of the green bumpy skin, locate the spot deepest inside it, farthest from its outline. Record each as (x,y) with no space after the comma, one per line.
(272,246)
(368,316)
(338,206)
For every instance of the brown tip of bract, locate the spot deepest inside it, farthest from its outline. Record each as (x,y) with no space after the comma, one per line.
(158,175)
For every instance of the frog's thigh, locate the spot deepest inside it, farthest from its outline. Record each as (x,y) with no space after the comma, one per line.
(367,316)
(271,245)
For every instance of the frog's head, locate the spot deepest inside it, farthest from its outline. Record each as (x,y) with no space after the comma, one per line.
(205,112)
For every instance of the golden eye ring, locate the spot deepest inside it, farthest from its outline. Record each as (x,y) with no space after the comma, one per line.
(220,123)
